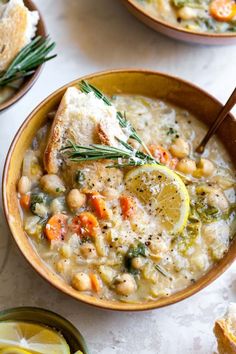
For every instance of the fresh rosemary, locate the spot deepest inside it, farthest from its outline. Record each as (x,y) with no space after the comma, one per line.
(124,123)
(162,271)
(28,59)
(124,157)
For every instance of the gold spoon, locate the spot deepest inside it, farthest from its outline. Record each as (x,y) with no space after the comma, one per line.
(217,122)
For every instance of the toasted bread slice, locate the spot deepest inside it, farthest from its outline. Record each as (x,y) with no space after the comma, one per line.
(83,119)
(225,331)
(17,28)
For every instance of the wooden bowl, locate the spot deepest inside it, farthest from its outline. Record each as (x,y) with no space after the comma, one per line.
(178,32)
(29,81)
(48,318)
(153,84)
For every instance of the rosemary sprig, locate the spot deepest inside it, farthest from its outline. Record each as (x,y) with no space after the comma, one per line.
(162,271)
(124,123)
(123,157)
(28,59)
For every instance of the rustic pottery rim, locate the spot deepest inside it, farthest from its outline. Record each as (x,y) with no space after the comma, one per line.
(167,25)
(109,305)
(29,82)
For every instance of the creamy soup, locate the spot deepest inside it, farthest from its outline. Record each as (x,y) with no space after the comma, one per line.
(194,15)
(106,231)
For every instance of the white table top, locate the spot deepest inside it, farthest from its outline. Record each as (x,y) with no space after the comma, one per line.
(94,35)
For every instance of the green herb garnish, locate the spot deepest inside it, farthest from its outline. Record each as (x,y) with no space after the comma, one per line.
(162,271)
(124,123)
(139,250)
(28,59)
(124,157)
(36,199)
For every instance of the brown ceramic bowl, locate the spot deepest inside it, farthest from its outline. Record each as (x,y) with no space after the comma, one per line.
(28,82)
(178,32)
(153,84)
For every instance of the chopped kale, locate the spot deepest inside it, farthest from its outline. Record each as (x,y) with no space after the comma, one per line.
(38,198)
(134,251)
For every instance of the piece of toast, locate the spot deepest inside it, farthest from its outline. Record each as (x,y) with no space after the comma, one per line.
(224,332)
(17,28)
(83,119)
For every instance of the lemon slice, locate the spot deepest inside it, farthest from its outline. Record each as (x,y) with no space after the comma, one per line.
(163,192)
(31,338)
(13,350)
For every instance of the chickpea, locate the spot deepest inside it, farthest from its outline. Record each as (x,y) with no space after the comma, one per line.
(62,265)
(52,184)
(66,250)
(138,262)
(187,166)
(75,199)
(24,185)
(88,250)
(110,193)
(205,168)
(217,199)
(81,281)
(158,247)
(187,13)
(179,148)
(126,284)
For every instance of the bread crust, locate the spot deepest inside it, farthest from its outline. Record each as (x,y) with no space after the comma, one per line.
(84,120)
(226,340)
(14,27)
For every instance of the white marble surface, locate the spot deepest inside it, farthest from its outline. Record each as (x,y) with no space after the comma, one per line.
(94,35)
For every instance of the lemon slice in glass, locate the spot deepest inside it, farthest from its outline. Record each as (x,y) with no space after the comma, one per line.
(13,350)
(31,338)
(164,194)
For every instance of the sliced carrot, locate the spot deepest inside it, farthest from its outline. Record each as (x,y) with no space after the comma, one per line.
(85,224)
(160,154)
(127,205)
(25,201)
(98,204)
(96,286)
(223,10)
(56,227)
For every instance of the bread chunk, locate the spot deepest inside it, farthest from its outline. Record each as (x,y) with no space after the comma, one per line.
(17,28)
(225,331)
(83,119)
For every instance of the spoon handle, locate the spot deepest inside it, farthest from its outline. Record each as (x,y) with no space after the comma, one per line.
(219,119)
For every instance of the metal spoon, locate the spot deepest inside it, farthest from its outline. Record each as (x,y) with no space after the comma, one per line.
(219,119)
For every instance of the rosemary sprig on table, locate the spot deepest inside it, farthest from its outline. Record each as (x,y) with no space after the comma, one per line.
(28,59)
(124,157)
(124,123)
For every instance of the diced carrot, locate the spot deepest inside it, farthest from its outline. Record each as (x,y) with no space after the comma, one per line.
(160,154)
(127,205)
(56,227)
(85,224)
(98,204)
(96,286)
(223,10)
(25,201)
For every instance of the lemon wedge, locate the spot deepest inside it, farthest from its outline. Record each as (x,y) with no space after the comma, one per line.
(13,350)
(163,192)
(31,338)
